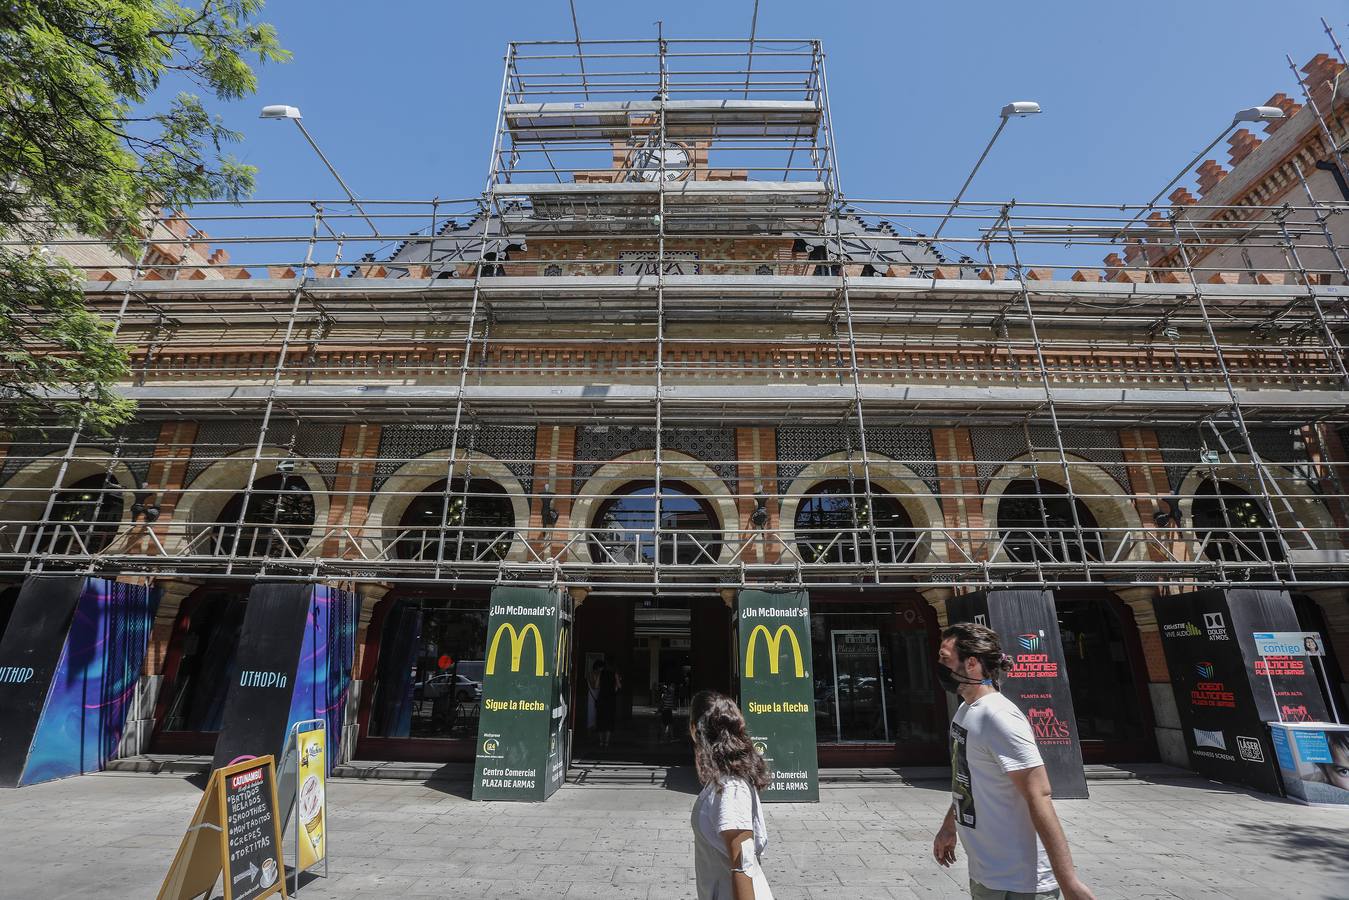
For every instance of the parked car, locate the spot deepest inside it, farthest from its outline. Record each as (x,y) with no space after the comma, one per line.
(464,689)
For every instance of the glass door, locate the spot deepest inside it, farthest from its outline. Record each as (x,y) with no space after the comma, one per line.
(858,695)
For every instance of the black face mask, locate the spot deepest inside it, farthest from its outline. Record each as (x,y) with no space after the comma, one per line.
(951,681)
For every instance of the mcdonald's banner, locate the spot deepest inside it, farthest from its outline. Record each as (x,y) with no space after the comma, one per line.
(523,742)
(777,690)
(1028,624)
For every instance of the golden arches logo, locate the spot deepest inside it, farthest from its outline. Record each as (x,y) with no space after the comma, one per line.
(563,663)
(774,642)
(517,647)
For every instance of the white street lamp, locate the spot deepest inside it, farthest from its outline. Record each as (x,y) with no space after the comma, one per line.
(1251,114)
(281,111)
(1017,108)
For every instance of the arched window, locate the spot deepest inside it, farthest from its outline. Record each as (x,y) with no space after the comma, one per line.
(624,526)
(479,523)
(1036,518)
(278,521)
(1232,527)
(833,525)
(84,518)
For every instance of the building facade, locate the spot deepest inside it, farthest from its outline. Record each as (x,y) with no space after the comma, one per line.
(662,358)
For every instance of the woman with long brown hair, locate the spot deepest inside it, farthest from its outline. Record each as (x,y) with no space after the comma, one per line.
(729,834)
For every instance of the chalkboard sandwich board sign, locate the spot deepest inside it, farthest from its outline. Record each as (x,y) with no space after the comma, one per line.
(235,831)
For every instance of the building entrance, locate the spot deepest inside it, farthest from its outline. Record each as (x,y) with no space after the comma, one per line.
(643,659)
(9,596)
(196,670)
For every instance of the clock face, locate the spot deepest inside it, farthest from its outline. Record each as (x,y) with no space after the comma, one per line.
(648,161)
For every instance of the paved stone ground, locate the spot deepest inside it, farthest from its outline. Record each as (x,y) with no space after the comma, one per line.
(114,836)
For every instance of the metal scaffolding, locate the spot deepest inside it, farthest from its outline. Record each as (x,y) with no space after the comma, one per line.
(663,284)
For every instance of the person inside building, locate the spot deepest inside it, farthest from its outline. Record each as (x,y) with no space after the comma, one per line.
(665,702)
(603,687)
(1002,807)
(729,832)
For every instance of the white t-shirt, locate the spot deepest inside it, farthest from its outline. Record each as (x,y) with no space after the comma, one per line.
(989,738)
(733,809)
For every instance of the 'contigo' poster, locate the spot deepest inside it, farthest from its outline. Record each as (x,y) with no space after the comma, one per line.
(777,690)
(520,754)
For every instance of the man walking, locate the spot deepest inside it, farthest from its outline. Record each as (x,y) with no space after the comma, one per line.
(1002,807)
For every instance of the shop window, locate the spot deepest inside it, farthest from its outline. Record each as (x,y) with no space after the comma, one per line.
(1105,700)
(1232,527)
(278,520)
(873,668)
(833,525)
(478,517)
(84,518)
(207,649)
(430,669)
(624,528)
(1037,524)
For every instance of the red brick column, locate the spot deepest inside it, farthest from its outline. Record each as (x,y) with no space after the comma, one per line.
(167,472)
(1327,453)
(353,489)
(957,475)
(756,471)
(554,466)
(1140,600)
(1147,478)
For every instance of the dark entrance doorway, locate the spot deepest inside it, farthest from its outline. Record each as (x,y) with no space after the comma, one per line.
(662,651)
(9,596)
(196,670)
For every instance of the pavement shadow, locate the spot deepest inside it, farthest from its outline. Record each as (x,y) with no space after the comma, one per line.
(1302,843)
(451,781)
(682,780)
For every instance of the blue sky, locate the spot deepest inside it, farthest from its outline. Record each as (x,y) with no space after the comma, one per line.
(402,95)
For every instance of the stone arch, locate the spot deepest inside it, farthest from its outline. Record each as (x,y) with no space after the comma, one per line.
(640,465)
(895,478)
(205,498)
(1109,502)
(416,475)
(23,499)
(1307,506)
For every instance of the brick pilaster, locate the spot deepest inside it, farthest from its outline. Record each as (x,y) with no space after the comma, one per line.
(961,504)
(1140,600)
(554,466)
(165,480)
(756,473)
(353,488)
(1147,479)
(1326,451)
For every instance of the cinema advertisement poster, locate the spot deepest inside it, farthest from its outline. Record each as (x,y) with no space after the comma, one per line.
(1027,623)
(1226,691)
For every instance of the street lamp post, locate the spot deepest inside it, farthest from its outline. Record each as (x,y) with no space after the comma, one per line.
(1252,114)
(1017,108)
(281,111)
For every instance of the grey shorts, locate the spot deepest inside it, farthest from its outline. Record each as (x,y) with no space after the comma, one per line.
(979,892)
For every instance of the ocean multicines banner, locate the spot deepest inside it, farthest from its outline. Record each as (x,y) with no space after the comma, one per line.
(1028,625)
(1225,690)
